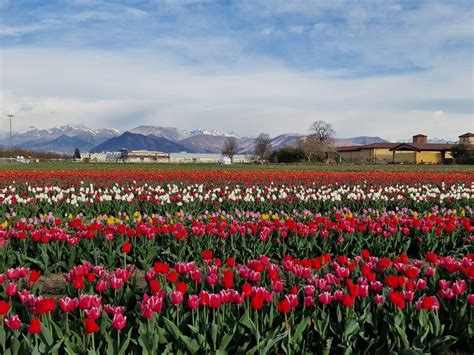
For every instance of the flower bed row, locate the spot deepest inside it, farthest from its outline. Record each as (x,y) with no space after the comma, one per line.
(55,244)
(30,199)
(66,178)
(320,304)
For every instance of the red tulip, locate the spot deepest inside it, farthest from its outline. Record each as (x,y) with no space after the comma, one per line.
(397,299)
(181,287)
(228,279)
(46,305)
(230,262)
(365,254)
(284,306)
(4,308)
(257,301)
(126,247)
(90,277)
(161,268)
(431,257)
(206,255)
(172,276)
(79,283)
(154,285)
(90,326)
(34,276)
(35,326)
(348,300)
(426,302)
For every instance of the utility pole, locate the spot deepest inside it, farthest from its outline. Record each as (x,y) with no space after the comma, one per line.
(11,145)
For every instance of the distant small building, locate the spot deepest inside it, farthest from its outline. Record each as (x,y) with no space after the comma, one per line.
(419,151)
(147,156)
(368,153)
(94,157)
(467,138)
(212,158)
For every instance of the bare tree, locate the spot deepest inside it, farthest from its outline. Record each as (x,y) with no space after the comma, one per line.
(319,141)
(262,146)
(230,148)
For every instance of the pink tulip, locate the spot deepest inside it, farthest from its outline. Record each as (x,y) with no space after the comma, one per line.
(420,284)
(68,304)
(193,302)
(93,313)
(119,321)
(101,286)
(470,299)
(379,299)
(309,290)
(13,274)
(177,297)
(115,283)
(459,287)
(13,322)
(430,272)
(214,301)
(325,298)
(309,301)
(338,294)
(11,289)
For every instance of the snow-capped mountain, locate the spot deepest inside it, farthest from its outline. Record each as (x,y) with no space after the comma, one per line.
(62,139)
(170,133)
(212,132)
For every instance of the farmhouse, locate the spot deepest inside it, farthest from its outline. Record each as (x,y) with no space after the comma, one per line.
(419,151)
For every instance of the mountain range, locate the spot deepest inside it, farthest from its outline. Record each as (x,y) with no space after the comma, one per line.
(66,139)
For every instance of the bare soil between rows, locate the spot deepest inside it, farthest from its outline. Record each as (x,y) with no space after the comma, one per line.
(55,284)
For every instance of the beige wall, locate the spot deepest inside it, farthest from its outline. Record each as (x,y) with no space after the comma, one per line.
(382,155)
(432,157)
(368,156)
(357,156)
(466,140)
(404,157)
(386,156)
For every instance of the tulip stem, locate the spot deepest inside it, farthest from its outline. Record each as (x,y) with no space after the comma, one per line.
(256,327)
(118,340)
(93,342)
(289,334)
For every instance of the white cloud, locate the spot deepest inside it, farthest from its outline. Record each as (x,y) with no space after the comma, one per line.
(20,30)
(54,86)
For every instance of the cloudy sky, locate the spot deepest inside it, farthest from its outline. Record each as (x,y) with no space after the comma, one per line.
(382,68)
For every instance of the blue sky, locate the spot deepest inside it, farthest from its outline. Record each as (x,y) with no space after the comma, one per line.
(386,68)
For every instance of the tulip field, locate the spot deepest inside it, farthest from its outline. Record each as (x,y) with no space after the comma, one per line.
(236,262)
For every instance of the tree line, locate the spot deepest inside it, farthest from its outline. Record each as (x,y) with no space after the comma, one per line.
(318,145)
